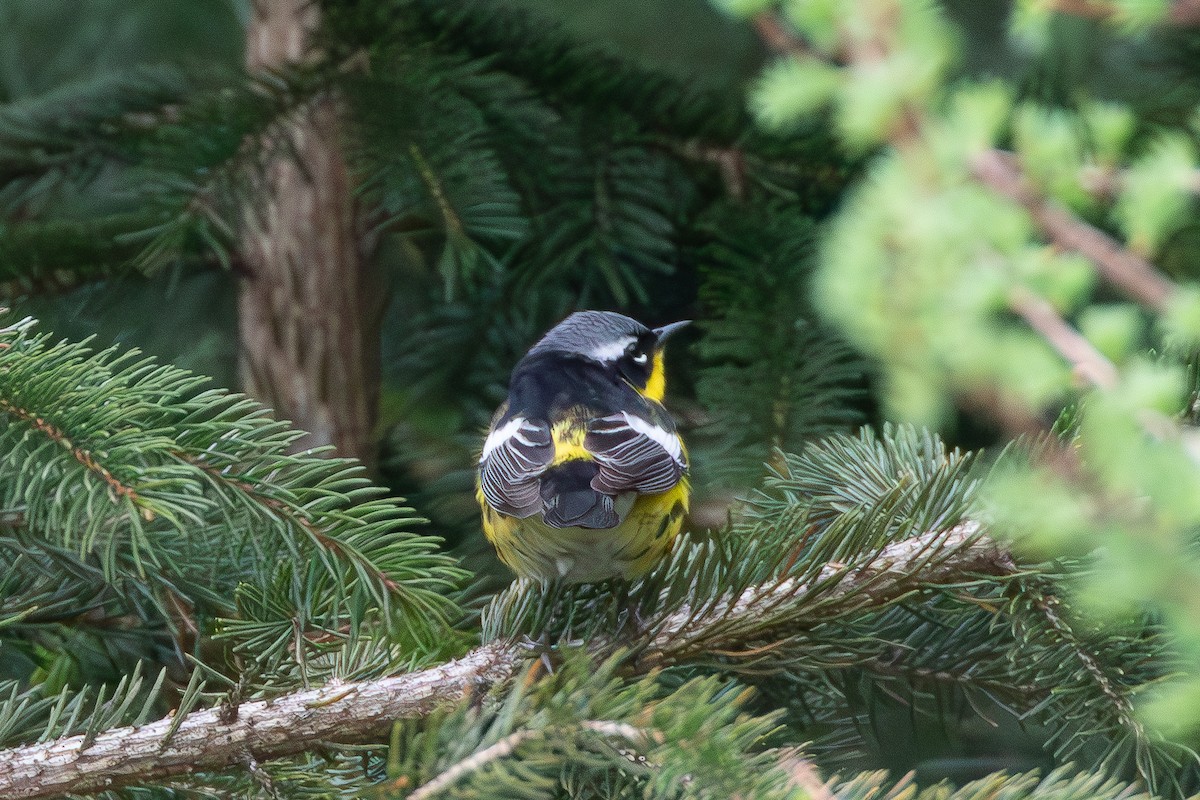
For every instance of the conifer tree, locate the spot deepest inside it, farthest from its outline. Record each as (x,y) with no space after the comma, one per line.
(195,604)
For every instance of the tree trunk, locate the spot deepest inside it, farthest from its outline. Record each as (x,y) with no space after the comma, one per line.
(309,311)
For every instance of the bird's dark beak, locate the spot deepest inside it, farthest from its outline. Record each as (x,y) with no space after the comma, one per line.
(666,330)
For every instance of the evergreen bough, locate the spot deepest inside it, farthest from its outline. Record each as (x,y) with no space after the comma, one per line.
(135,500)
(175,573)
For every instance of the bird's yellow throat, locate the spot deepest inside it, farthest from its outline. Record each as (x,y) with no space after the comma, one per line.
(656,385)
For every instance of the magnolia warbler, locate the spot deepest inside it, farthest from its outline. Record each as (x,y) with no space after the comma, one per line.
(582,476)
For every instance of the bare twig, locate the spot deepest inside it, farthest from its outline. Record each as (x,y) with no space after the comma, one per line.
(730,162)
(474,762)
(1089,363)
(1183,13)
(620,730)
(1128,272)
(1107,182)
(1000,172)
(803,775)
(505,747)
(779,38)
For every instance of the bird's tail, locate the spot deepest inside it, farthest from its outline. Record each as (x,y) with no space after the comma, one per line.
(569,501)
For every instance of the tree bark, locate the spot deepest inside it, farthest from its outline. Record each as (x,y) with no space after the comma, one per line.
(338,712)
(309,307)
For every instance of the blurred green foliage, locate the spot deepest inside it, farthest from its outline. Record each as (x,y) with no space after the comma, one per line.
(969,291)
(692,40)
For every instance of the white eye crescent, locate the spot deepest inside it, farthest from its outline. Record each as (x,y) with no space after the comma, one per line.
(640,358)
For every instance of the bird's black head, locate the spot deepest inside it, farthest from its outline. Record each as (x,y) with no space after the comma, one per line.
(616,342)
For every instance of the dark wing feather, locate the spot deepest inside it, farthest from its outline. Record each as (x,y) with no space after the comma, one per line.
(635,454)
(511,466)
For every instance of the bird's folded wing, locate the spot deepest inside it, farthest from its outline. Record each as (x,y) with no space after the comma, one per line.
(635,453)
(514,457)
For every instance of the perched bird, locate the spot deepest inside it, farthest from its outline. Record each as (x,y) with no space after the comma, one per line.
(582,474)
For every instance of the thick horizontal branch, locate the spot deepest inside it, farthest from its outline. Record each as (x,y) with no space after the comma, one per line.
(361,711)
(338,712)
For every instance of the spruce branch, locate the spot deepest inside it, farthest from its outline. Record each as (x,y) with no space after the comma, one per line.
(56,256)
(266,729)
(206,740)
(1061,783)
(179,506)
(258,496)
(562,69)
(703,125)
(50,144)
(934,557)
(505,747)
(773,378)
(84,456)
